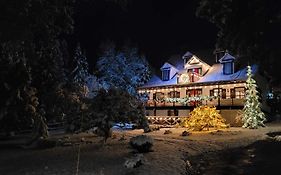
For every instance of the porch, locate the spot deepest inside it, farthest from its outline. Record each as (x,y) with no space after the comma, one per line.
(227,102)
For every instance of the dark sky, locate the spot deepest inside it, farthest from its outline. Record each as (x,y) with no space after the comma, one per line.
(159,28)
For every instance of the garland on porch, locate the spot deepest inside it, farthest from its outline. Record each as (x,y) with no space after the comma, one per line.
(186,100)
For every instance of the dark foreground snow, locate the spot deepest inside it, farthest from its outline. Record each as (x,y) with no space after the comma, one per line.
(232,151)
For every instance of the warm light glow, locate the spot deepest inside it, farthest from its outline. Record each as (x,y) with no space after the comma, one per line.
(204,117)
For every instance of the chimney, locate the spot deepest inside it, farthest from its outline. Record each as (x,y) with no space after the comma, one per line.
(219,53)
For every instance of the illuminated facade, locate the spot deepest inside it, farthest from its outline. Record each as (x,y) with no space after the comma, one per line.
(190,76)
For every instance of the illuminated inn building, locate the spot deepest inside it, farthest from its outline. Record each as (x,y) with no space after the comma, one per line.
(190,76)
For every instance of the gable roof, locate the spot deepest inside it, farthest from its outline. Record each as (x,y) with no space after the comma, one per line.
(226,58)
(176,61)
(167,65)
(195,57)
(215,74)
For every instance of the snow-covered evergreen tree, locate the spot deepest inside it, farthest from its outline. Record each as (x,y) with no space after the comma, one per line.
(252,116)
(124,69)
(93,86)
(80,72)
(138,69)
(109,67)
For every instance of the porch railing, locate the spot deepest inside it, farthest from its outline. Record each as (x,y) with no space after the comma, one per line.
(214,102)
(164,120)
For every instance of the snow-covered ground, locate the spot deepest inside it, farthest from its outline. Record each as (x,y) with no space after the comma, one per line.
(166,157)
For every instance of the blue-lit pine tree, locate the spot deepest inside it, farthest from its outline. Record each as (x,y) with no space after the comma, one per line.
(252,116)
(124,69)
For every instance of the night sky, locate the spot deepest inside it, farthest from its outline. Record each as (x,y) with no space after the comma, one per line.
(158,28)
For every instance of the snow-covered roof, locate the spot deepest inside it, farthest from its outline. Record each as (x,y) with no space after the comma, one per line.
(167,65)
(215,74)
(155,81)
(177,62)
(226,58)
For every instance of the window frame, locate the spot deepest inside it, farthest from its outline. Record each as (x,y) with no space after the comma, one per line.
(166,74)
(174,94)
(196,92)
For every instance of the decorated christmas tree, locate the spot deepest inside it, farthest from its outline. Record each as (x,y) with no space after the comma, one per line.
(252,116)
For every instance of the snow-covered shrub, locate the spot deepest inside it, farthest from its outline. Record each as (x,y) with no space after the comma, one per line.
(151,128)
(142,143)
(134,162)
(114,106)
(168,132)
(185,133)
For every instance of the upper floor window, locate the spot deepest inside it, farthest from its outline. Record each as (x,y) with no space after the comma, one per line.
(193,74)
(228,68)
(166,74)
(196,70)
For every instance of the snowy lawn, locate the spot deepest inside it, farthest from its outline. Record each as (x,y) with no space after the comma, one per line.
(233,150)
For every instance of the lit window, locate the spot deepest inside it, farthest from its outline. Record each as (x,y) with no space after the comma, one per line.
(240,92)
(194,92)
(174,94)
(158,96)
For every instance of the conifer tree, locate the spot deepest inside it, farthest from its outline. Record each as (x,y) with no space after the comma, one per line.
(252,116)
(124,69)
(32,62)
(80,72)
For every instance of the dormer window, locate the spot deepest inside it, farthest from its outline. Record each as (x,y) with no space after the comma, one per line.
(228,68)
(166,74)
(228,63)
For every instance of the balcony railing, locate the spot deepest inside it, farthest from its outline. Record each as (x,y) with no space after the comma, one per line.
(214,102)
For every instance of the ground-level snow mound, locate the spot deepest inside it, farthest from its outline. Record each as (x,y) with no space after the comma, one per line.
(142,143)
